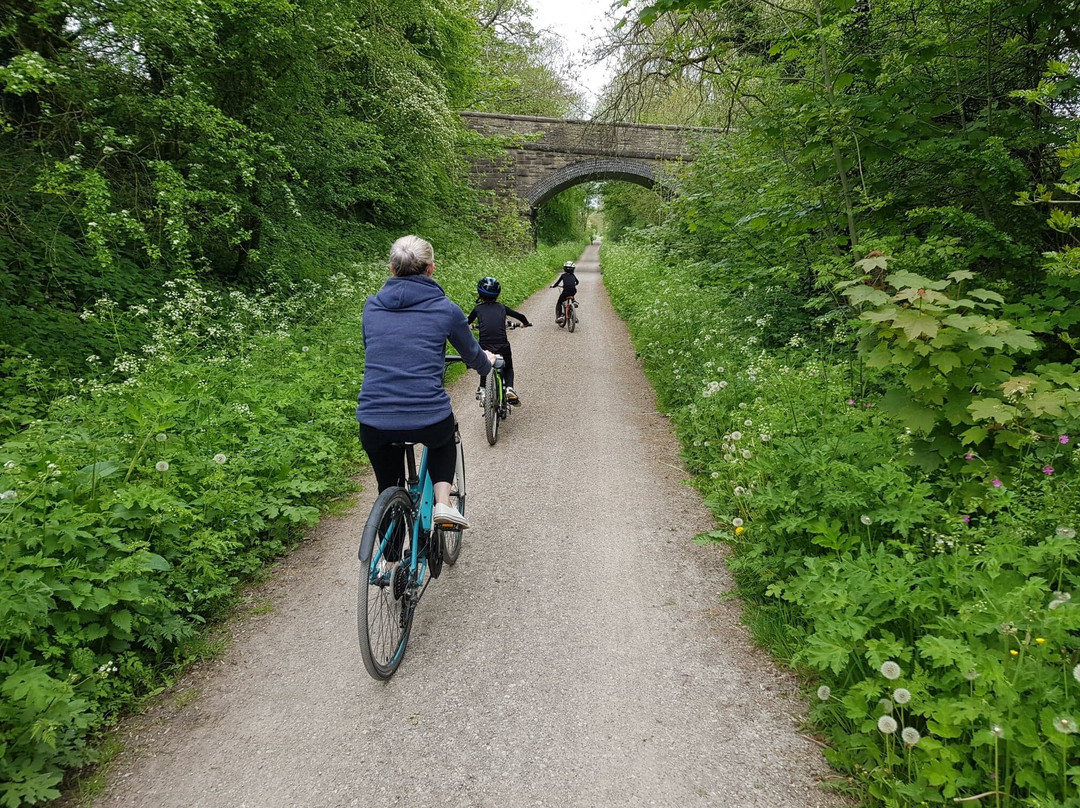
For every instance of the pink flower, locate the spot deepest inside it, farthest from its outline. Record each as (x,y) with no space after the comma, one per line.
(965,519)
(1047,470)
(969,456)
(869,405)
(1063,439)
(851,401)
(995,482)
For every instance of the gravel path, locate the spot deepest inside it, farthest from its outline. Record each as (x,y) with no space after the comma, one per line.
(577,655)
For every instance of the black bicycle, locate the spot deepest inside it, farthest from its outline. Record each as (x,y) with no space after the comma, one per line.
(494,402)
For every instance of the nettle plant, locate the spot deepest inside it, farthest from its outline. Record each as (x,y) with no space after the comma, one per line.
(967,387)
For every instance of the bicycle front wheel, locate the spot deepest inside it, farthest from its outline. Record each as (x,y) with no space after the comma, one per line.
(451,539)
(384,609)
(491,407)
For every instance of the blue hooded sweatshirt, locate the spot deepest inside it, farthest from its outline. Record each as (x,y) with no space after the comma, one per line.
(405,327)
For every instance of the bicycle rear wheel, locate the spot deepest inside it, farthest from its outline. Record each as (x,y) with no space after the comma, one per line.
(491,407)
(571,316)
(451,539)
(384,609)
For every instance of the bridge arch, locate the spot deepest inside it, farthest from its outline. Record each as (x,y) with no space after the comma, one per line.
(638,172)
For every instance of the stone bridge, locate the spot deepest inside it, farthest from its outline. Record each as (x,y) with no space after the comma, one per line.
(544,156)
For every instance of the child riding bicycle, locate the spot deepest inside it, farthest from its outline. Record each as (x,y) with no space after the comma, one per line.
(568,281)
(490,317)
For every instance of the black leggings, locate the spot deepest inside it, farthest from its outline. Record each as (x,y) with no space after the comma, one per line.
(506,370)
(388,461)
(562,299)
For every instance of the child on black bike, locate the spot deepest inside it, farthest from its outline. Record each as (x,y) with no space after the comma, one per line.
(568,280)
(490,316)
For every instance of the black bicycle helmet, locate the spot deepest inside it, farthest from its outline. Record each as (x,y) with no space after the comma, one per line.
(488,288)
(569,266)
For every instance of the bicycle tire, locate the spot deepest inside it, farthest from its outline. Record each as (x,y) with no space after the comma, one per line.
(491,408)
(571,317)
(383,615)
(451,539)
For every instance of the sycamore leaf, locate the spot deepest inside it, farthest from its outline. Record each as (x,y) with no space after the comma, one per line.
(916,324)
(961,275)
(945,361)
(867,294)
(870,264)
(992,409)
(976,434)
(986,294)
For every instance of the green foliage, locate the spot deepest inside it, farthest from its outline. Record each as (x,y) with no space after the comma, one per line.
(132,508)
(850,555)
(565,217)
(958,380)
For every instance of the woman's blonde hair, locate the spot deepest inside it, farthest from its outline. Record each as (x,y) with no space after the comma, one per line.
(411,255)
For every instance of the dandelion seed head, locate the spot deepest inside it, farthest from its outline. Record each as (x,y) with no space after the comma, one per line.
(997,731)
(162,465)
(219,458)
(866,520)
(1065,724)
(9,494)
(885,705)
(737,522)
(887,724)
(747,454)
(971,674)
(1064,532)
(736,435)
(901,695)
(1076,673)
(910,736)
(161,437)
(824,692)
(890,670)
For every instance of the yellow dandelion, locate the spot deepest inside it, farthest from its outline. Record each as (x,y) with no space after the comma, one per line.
(1014,653)
(739,530)
(1040,640)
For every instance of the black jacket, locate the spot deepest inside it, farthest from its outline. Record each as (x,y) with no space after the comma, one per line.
(491,317)
(568,281)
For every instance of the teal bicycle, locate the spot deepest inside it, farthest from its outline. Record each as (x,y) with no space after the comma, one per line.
(401,551)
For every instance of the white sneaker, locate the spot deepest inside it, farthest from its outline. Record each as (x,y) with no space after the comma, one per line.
(448,515)
(511,396)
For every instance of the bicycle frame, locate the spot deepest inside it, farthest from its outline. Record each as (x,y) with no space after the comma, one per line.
(422,493)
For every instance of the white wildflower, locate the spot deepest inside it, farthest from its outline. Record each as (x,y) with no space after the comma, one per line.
(9,465)
(1076,673)
(887,724)
(9,494)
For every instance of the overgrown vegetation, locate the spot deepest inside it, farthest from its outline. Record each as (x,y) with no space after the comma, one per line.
(861,310)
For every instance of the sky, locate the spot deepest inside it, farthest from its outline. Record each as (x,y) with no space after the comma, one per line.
(581,24)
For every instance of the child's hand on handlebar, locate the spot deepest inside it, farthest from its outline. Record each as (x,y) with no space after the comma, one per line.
(491,357)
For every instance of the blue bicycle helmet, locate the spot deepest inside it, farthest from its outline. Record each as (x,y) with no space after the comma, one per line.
(488,288)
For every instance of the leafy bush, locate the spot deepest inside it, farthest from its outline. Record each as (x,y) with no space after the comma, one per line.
(932,606)
(131,511)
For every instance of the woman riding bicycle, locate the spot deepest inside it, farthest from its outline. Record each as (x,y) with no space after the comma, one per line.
(405,328)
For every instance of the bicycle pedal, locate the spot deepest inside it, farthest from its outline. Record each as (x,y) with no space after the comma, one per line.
(448,526)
